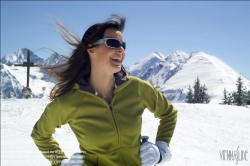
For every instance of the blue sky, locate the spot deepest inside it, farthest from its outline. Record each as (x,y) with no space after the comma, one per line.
(217,28)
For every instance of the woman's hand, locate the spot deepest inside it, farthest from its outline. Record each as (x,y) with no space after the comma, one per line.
(149,154)
(152,154)
(166,154)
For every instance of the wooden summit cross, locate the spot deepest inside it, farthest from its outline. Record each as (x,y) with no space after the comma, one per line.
(27,91)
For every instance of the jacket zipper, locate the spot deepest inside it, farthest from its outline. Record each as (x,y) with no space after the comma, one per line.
(114,120)
(111,110)
(117,131)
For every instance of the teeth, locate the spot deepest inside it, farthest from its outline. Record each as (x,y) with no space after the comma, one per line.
(119,59)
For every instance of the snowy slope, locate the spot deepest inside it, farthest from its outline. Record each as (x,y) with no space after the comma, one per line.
(211,71)
(14,79)
(166,68)
(202,131)
(10,86)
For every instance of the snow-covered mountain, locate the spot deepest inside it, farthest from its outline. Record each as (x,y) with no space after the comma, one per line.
(54,59)
(175,72)
(172,73)
(20,56)
(166,68)
(10,86)
(139,68)
(211,71)
(14,78)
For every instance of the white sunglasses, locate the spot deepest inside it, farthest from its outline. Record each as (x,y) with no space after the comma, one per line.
(110,42)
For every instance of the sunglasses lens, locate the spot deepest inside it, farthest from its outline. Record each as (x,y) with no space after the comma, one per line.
(115,43)
(124,45)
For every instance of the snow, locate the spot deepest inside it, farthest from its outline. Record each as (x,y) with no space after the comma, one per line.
(16,77)
(20,56)
(202,131)
(178,70)
(165,69)
(211,71)
(140,67)
(173,74)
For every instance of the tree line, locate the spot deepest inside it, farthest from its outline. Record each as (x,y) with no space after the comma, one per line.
(198,94)
(240,97)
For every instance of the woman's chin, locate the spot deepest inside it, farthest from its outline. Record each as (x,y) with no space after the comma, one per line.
(116,68)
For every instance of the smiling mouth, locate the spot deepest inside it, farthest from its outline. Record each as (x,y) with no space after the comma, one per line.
(116,59)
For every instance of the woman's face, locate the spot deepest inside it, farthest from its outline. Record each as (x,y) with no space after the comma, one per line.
(105,58)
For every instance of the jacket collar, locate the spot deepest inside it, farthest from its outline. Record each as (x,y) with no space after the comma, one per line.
(120,78)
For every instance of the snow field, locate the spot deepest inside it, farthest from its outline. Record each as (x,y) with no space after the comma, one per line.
(202,131)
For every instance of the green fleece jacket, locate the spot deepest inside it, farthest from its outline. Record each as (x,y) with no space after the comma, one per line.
(108,134)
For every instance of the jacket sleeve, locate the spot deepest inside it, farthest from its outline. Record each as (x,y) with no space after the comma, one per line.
(163,109)
(53,117)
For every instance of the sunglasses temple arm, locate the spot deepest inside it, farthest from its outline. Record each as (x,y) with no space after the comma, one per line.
(98,42)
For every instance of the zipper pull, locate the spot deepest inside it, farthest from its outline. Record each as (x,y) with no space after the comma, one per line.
(110,107)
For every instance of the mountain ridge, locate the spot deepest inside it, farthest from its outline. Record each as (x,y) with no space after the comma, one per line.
(172,74)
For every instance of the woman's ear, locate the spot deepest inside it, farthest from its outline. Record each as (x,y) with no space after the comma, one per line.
(89,49)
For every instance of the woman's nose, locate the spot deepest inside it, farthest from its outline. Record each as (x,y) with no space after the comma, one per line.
(120,49)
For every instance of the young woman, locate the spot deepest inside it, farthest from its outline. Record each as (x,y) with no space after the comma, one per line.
(103,105)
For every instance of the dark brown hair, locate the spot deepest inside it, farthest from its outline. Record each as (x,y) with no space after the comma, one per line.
(77,65)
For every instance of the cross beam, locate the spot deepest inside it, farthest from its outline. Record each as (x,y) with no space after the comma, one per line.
(27,64)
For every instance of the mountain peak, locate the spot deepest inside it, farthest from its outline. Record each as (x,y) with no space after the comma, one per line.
(177,57)
(55,58)
(154,55)
(158,55)
(19,57)
(140,67)
(197,53)
(178,70)
(177,52)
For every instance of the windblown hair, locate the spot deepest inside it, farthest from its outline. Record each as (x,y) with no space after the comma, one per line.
(77,65)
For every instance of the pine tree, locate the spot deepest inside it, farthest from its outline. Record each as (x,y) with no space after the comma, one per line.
(203,96)
(234,96)
(239,95)
(200,94)
(247,93)
(248,97)
(230,99)
(207,98)
(196,91)
(189,97)
(244,96)
(225,99)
